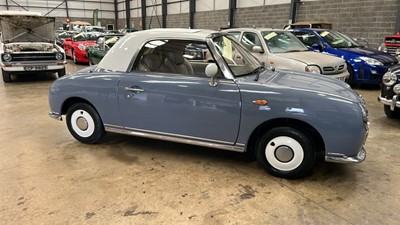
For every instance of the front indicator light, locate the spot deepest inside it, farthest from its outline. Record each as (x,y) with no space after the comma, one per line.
(396,89)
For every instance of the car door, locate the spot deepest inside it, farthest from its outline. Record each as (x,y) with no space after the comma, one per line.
(180,105)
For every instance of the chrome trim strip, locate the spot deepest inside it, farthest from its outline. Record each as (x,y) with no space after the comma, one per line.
(176,138)
(341,158)
(55,115)
(392,103)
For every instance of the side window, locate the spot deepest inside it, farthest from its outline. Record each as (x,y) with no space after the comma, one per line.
(249,40)
(307,38)
(175,57)
(236,34)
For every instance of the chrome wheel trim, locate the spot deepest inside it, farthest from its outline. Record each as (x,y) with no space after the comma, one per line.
(82,123)
(289,151)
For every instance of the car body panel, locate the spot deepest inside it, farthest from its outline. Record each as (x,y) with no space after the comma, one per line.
(361,70)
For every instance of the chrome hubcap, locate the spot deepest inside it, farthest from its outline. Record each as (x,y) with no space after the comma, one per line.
(284,153)
(82,123)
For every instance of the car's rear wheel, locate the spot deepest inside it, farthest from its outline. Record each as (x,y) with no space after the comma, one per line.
(6,76)
(286,152)
(391,114)
(84,123)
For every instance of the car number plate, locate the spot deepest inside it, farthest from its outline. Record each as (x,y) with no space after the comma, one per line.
(34,68)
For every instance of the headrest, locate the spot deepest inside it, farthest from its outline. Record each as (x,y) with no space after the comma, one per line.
(152,61)
(176,58)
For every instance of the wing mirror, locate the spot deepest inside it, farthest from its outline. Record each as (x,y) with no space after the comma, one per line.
(317,46)
(257,49)
(101,41)
(212,70)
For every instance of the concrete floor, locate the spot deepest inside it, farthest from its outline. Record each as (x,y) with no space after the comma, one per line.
(47,177)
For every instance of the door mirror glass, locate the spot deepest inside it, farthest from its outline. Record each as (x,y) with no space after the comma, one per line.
(211,70)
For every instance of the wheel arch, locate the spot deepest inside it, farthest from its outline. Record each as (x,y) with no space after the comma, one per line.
(71,101)
(302,126)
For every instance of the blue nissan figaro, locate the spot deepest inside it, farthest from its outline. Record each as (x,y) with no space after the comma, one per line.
(146,86)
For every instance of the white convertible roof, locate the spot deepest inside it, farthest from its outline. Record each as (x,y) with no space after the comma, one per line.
(121,54)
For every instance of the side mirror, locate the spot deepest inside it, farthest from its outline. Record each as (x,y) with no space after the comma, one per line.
(68,39)
(102,43)
(317,46)
(257,49)
(212,70)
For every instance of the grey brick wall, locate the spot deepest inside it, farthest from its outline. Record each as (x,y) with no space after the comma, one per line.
(178,20)
(371,19)
(213,20)
(274,16)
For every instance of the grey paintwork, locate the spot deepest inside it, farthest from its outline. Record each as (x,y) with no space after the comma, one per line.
(188,107)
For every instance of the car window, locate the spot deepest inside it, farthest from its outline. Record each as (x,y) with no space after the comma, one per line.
(236,34)
(282,41)
(307,38)
(250,39)
(175,57)
(338,40)
(239,61)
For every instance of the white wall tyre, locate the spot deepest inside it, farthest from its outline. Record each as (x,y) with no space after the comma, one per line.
(84,123)
(286,152)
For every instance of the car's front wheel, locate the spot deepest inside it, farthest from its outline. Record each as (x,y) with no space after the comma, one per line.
(391,114)
(84,123)
(286,152)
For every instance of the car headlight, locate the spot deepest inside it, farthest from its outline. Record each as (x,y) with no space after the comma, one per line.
(313,69)
(81,47)
(7,57)
(59,56)
(389,79)
(371,61)
(396,89)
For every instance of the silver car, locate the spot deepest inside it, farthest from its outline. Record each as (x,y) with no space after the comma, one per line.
(145,87)
(282,50)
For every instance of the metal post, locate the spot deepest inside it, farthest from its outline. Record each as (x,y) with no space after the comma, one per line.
(192,11)
(293,11)
(66,8)
(397,27)
(128,14)
(7,4)
(116,14)
(164,12)
(232,8)
(144,14)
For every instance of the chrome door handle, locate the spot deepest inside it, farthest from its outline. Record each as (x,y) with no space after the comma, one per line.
(133,89)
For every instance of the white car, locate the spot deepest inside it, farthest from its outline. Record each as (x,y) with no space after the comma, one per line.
(282,50)
(28,45)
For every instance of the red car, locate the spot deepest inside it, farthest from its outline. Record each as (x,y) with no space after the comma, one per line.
(391,45)
(75,47)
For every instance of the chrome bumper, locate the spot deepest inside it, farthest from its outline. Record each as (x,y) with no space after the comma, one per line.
(341,158)
(393,103)
(55,115)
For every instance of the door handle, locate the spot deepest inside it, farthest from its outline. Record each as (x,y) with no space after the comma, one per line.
(134,89)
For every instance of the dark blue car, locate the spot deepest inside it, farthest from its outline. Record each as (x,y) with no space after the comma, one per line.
(365,65)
